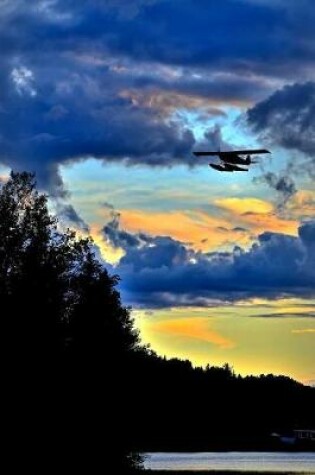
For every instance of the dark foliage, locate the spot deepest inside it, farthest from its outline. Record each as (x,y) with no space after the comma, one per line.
(197,409)
(67,339)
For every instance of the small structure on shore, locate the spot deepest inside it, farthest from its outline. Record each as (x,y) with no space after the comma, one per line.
(296,437)
(304,434)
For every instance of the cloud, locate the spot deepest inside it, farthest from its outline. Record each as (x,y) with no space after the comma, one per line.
(196,228)
(128,9)
(239,229)
(302,204)
(254,215)
(107,205)
(287,119)
(167,89)
(23,79)
(40,132)
(284,314)
(256,36)
(245,205)
(283,184)
(159,271)
(70,218)
(117,237)
(196,328)
(255,33)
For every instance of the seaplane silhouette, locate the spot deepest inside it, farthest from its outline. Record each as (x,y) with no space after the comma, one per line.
(231,159)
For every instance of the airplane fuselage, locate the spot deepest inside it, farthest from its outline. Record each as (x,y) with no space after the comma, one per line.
(234,159)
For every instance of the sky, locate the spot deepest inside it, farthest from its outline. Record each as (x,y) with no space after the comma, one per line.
(106,102)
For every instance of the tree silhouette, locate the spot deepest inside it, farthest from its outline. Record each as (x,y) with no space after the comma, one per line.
(66,336)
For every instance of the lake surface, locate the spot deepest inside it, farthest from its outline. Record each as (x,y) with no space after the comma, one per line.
(244,461)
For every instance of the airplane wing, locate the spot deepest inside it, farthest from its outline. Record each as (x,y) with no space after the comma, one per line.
(203,154)
(246,152)
(232,152)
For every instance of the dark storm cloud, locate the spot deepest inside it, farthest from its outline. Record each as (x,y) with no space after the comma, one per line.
(43,124)
(53,109)
(70,70)
(160,271)
(287,119)
(252,36)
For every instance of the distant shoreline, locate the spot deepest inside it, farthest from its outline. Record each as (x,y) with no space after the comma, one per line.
(281,450)
(220,472)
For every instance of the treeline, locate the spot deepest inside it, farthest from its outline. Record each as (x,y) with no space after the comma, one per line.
(182,408)
(79,390)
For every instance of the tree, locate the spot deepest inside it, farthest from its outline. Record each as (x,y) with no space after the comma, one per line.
(66,336)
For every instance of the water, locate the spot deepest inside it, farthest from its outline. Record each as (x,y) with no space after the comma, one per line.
(243,461)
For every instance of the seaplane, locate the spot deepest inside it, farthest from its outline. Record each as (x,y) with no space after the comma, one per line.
(231,159)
